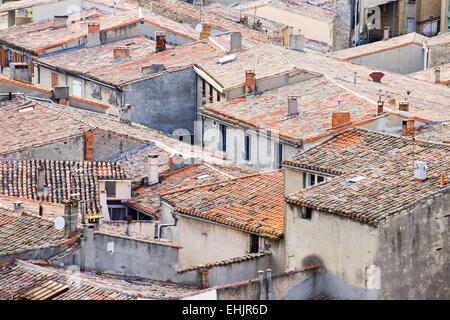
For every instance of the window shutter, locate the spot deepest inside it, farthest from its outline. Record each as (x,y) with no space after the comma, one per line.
(2,57)
(31,67)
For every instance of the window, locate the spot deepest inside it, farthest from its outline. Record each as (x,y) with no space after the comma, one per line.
(218,96)
(76,88)
(411,25)
(117,212)
(306,213)
(96,91)
(110,188)
(211,98)
(203,87)
(223,132)
(54,79)
(254,243)
(278,156)
(247,148)
(312,179)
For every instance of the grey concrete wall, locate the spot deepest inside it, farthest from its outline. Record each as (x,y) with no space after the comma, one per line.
(70,149)
(130,257)
(127,31)
(148,30)
(402,60)
(166,103)
(439,54)
(6,87)
(107,145)
(342,23)
(35,254)
(413,252)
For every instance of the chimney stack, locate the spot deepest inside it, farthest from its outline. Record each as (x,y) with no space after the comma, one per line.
(437,75)
(235,41)
(160,40)
(93,36)
(206,31)
(18,207)
(125,114)
(153,166)
(296,41)
(292,106)
(60,21)
(61,94)
(403,106)
(339,118)
(244,20)
(175,162)
(445,133)
(408,128)
(376,76)
(380,106)
(250,83)
(386,33)
(121,52)
(70,215)
(127,224)
(420,171)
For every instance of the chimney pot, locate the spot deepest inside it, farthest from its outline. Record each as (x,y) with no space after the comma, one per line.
(292,105)
(408,128)
(160,40)
(420,171)
(403,106)
(380,107)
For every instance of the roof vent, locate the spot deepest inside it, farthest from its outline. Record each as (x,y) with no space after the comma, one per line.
(380,107)
(227,59)
(292,106)
(386,33)
(356,179)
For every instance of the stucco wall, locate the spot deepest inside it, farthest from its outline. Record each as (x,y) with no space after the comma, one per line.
(343,247)
(439,54)
(402,60)
(166,103)
(123,190)
(107,145)
(413,252)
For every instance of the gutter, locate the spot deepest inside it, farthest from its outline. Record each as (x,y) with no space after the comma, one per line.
(310,170)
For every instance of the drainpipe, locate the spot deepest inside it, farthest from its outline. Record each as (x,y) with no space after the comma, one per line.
(260,276)
(269,284)
(158,235)
(425,55)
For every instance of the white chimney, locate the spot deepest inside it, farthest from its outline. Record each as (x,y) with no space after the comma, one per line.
(420,171)
(292,106)
(152,173)
(18,206)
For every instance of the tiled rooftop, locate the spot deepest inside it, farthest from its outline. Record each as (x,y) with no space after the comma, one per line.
(27,232)
(19,178)
(149,198)
(253,203)
(428,74)
(384,164)
(39,36)
(14,5)
(299,7)
(49,210)
(378,46)
(20,277)
(316,103)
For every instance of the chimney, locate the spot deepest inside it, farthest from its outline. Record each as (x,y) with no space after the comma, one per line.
(380,107)
(127,224)
(235,41)
(93,36)
(292,106)
(408,128)
(153,68)
(376,76)
(60,22)
(125,114)
(175,161)
(121,52)
(204,277)
(160,40)
(18,207)
(403,106)
(244,20)
(339,118)
(206,31)
(153,167)
(445,133)
(437,75)
(296,41)
(61,94)
(420,171)
(20,71)
(261,281)
(386,33)
(250,83)
(70,215)
(269,284)
(257,24)
(89,145)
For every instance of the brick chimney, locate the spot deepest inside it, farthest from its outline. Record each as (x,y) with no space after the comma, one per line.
(60,22)
(152,169)
(408,128)
(250,83)
(376,76)
(339,118)
(380,107)
(437,75)
(206,31)
(93,36)
(292,106)
(88,145)
(121,52)
(403,106)
(420,171)
(160,40)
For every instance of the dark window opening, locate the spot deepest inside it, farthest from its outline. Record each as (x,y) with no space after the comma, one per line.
(280,155)
(110,188)
(254,243)
(247,148)
(223,131)
(306,213)
(211,99)
(203,87)
(218,96)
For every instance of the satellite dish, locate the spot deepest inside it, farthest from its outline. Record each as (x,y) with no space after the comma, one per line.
(198,28)
(59,223)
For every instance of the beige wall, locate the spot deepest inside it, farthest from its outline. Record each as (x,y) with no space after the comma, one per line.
(346,248)
(123,189)
(310,28)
